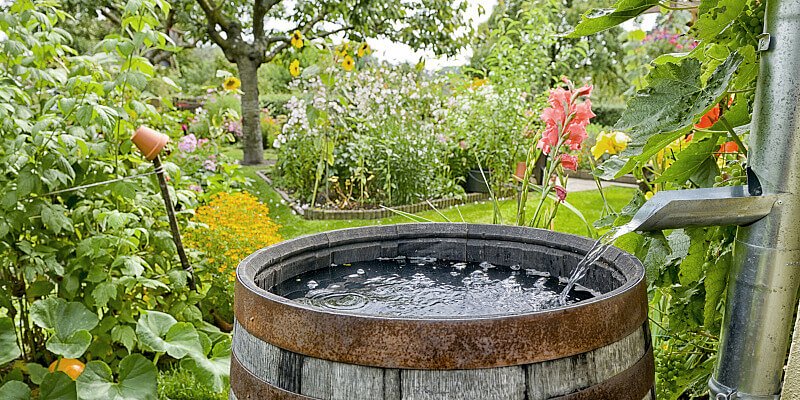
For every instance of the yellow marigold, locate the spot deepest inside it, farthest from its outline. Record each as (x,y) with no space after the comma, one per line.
(236,225)
(348,63)
(294,68)
(231,83)
(364,49)
(297,39)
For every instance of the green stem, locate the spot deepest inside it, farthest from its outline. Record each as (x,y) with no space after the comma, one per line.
(733,135)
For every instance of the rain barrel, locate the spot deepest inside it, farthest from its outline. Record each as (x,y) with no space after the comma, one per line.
(598,348)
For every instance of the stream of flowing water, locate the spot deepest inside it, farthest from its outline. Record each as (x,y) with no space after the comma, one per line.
(595,252)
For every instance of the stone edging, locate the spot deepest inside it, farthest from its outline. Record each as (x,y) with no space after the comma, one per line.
(322,214)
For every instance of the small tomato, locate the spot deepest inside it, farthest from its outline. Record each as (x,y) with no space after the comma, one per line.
(70,366)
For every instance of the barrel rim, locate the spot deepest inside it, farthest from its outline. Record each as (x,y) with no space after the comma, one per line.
(328,334)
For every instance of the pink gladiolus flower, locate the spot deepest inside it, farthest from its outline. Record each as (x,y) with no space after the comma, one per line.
(566,117)
(569,162)
(561,193)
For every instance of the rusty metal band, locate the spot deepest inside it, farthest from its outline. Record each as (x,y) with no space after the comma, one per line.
(247,386)
(445,343)
(632,384)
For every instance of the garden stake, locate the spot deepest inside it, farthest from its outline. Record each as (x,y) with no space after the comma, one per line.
(173,222)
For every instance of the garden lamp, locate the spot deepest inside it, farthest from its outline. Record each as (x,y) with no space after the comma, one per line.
(150,143)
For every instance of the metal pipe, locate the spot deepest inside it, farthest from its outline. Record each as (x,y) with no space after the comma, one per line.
(765,277)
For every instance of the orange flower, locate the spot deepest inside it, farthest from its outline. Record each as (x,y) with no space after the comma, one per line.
(729,148)
(709,119)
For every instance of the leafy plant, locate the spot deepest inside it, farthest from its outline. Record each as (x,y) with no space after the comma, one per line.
(687,126)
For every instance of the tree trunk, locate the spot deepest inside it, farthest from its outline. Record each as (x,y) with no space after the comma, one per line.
(252,142)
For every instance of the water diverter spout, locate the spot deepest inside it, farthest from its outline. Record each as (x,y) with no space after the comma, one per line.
(674,209)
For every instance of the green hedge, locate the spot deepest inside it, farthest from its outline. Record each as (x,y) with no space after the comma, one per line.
(607,114)
(275,102)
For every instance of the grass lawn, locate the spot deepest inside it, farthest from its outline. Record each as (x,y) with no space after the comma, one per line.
(589,203)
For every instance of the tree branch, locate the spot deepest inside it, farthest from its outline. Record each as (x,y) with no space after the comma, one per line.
(260,10)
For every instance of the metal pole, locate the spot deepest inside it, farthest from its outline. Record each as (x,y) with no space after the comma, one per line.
(765,276)
(173,222)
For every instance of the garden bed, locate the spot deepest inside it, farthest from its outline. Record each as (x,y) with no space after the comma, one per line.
(377,213)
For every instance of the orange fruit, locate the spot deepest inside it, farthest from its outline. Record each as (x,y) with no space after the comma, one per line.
(70,366)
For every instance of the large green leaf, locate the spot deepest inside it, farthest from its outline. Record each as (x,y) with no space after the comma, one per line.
(9,350)
(57,386)
(213,371)
(136,380)
(161,333)
(720,15)
(72,346)
(15,390)
(715,282)
(598,20)
(689,161)
(691,268)
(70,323)
(675,99)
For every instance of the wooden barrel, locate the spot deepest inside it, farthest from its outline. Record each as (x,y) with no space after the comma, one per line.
(596,349)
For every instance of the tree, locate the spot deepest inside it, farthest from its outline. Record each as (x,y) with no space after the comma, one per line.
(250,34)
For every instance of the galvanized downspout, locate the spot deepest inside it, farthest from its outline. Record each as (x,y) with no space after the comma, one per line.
(764,280)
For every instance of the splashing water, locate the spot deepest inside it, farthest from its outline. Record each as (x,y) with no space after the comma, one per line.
(595,252)
(424,287)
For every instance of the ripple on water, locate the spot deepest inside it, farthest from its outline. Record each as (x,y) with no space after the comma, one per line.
(428,287)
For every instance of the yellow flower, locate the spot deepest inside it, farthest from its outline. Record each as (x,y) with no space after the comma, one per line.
(294,68)
(231,83)
(348,64)
(477,82)
(297,39)
(343,50)
(364,49)
(610,142)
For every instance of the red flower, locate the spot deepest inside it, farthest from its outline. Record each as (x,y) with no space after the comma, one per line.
(566,117)
(569,162)
(729,147)
(708,120)
(561,193)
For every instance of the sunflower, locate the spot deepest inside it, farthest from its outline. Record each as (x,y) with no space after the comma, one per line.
(343,50)
(348,64)
(231,83)
(364,49)
(294,68)
(297,39)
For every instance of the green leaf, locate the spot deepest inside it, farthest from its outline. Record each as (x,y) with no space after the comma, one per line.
(124,335)
(719,17)
(84,114)
(55,219)
(598,20)
(612,168)
(36,372)
(72,346)
(57,386)
(675,99)
(104,292)
(15,390)
(9,350)
(691,269)
(161,333)
(136,380)
(689,161)
(715,282)
(213,372)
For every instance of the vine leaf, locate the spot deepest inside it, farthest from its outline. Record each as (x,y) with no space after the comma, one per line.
(668,108)
(691,269)
(9,350)
(162,333)
(213,371)
(600,19)
(715,282)
(57,386)
(689,161)
(720,15)
(136,380)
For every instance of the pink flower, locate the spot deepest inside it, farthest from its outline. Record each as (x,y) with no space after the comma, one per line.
(210,165)
(201,142)
(566,117)
(569,162)
(188,143)
(196,188)
(561,193)
(463,145)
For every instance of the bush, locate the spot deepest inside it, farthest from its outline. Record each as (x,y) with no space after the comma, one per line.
(275,102)
(607,114)
(228,229)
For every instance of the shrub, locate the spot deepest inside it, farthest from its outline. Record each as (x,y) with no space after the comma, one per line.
(228,229)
